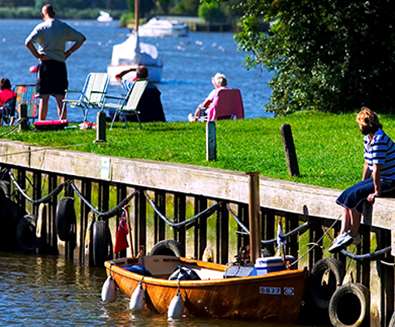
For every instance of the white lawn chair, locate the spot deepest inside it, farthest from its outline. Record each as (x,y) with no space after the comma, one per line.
(92,94)
(127,104)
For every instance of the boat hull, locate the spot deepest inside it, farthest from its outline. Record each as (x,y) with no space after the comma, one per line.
(272,297)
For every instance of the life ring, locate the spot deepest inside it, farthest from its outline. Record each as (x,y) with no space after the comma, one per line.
(101,243)
(349,305)
(65,218)
(167,247)
(26,233)
(326,276)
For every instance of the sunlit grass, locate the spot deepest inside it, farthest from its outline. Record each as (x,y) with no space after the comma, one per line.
(328,146)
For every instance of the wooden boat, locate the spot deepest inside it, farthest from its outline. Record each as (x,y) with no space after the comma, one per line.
(275,296)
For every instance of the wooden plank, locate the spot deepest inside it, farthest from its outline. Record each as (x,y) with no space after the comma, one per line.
(140,220)
(52,238)
(200,228)
(242,214)
(159,224)
(212,183)
(222,234)
(86,190)
(179,216)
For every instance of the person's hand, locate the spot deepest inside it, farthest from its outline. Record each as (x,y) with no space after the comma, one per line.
(42,57)
(371,197)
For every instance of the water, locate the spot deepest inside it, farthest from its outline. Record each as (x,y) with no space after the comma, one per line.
(49,291)
(189,64)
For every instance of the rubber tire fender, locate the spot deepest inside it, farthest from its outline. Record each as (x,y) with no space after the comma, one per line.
(349,305)
(26,233)
(392,321)
(101,243)
(167,247)
(65,218)
(319,292)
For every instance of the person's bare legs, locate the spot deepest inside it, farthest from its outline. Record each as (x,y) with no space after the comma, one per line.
(350,221)
(43,107)
(62,110)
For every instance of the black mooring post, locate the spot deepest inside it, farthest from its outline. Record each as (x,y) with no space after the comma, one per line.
(100,127)
(289,148)
(23,117)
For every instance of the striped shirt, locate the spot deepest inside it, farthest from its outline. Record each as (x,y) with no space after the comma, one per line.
(380,150)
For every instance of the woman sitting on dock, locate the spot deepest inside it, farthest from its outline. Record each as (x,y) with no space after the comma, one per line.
(378,177)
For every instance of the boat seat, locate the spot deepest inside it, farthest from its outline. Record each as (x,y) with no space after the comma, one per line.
(161,265)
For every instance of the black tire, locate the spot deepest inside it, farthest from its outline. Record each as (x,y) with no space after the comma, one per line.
(392,321)
(167,247)
(349,305)
(65,218)
(101,243)
(10,215)
(321,291)
(26,233)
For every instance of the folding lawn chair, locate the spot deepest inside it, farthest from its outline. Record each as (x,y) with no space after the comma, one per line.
(92,94)
(129,103)
(26,94)
(229,105)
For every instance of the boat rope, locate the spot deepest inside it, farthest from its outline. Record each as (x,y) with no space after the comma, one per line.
(12,130)
(298,230)
(391,264)
(316,243)
(367,256)
(186,223)
(44,199)
(104,214)
(242,226)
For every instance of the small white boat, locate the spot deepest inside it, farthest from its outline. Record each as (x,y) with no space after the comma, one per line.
(132,53)
(158,27)
(104,17)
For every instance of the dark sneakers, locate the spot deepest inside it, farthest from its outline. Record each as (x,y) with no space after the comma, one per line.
(340,242)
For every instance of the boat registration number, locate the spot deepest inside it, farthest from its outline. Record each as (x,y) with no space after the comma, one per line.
(287,291)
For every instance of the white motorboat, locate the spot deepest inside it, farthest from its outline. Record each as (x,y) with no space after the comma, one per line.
(158,27)
(104,17)
(132,53)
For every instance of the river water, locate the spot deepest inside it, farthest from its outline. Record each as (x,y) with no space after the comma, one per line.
(49,291)
(189,63)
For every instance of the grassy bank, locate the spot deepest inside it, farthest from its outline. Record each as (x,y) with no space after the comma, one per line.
(329,147)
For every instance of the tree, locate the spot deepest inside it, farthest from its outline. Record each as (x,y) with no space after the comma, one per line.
(211,12)
(329,55)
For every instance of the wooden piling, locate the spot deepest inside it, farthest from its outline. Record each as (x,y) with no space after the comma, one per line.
(253,214)
(23,117)
(211,141)
(100,127)
(289,148)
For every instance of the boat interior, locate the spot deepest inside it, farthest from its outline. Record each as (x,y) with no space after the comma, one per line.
(163,266)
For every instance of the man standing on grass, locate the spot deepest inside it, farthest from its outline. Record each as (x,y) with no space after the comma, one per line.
(47,43)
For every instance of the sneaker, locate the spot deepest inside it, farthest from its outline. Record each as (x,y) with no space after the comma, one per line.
(191,118)
(340,242)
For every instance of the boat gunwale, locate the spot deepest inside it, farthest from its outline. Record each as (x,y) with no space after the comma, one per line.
(112,266)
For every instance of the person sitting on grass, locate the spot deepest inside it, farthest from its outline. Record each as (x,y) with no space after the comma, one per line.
(7,102)
(378,177)
(203,110)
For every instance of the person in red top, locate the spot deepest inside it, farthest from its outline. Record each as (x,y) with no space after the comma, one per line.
(7,101)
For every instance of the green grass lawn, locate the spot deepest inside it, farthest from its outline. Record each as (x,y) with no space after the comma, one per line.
(329,146)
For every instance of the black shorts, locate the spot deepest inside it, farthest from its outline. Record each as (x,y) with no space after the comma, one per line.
(52,78)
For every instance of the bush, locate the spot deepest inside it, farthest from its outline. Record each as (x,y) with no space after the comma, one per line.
(211,12)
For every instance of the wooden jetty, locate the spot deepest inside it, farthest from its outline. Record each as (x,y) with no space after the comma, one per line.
(105,180)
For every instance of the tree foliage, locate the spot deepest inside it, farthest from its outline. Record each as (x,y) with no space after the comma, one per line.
(329,55)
